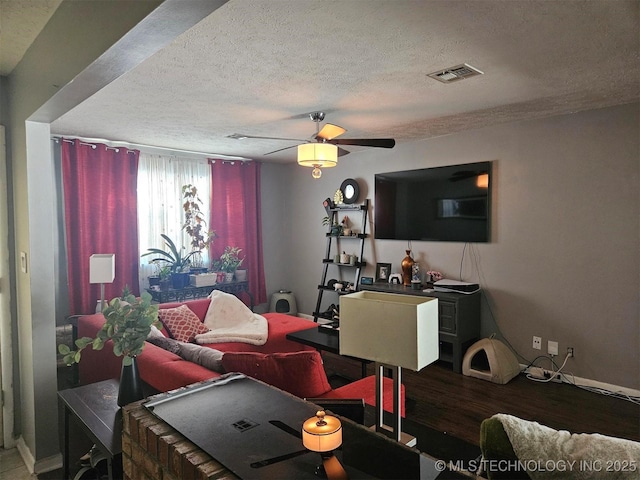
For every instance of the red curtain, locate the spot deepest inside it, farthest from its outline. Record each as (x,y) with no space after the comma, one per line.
(236,217)
(100,217)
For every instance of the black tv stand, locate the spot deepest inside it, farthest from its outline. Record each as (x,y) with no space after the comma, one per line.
(458,319)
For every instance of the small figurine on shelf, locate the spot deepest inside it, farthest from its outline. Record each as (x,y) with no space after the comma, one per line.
(345,226)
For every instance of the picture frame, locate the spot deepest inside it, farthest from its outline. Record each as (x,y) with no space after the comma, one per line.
(383,270)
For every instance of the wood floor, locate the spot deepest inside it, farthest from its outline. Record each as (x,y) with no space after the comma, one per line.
(457,404)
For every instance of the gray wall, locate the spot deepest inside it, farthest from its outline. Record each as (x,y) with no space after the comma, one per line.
(563,262)
(75,36)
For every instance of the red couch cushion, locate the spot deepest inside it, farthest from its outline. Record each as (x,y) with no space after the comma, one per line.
(299,373)
(198,306)
(167,371)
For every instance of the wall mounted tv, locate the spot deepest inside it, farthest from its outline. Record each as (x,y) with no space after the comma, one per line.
(446,204)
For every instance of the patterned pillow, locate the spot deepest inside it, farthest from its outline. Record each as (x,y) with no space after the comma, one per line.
(181,323)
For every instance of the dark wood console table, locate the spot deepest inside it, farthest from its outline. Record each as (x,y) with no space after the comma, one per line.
(191,292)
(95,408)
(458,319)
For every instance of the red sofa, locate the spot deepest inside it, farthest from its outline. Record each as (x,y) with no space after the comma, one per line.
(287,365)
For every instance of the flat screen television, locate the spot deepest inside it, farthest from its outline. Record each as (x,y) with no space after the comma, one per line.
(447,204)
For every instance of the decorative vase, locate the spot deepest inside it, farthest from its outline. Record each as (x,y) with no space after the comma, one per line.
(407,264)
(130,384)
(228,277)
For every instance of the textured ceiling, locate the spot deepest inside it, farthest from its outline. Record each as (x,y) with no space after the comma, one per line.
(20,23)
(258,67)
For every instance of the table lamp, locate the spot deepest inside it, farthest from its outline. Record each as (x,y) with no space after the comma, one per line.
(395,331)
(323,434)
(102,269)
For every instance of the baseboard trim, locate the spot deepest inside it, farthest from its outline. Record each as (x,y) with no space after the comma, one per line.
(587,382)
(48,464)
(26,455)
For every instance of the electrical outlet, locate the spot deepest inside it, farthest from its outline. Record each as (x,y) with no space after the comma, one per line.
(570,351)
(552,348)
(537,343)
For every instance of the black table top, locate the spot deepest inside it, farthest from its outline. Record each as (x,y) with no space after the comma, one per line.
(317,337)
(96,407)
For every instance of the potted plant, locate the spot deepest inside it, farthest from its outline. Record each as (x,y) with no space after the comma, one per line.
(178,264)
(230,261)
(164,275)
(127,324)
(195,225)
(336,228)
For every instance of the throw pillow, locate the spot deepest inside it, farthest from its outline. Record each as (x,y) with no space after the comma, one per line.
(165,343)
(181,323)
(207,357)
(299,373)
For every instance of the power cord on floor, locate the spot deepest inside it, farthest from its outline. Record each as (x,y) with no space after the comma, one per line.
(553,374)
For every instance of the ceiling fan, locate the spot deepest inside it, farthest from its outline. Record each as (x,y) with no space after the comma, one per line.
(322,150)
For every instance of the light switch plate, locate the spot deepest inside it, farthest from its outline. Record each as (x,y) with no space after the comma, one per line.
(23,262)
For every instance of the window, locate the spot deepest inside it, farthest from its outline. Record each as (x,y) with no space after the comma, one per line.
(160,181)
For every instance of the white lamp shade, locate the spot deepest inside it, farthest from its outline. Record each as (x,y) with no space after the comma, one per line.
(102,268)
(389,328)
(322,436)
(321,155)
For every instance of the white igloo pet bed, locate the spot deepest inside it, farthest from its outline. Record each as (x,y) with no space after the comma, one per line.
(490,359)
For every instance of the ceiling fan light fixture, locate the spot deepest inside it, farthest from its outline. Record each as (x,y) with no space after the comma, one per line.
(317,156)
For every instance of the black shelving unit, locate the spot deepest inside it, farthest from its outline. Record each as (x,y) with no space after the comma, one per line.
(335,245)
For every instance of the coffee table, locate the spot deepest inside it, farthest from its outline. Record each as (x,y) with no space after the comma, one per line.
(323,339)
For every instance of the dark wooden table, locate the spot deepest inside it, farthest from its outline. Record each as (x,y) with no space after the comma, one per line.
(95,407)
(323,339)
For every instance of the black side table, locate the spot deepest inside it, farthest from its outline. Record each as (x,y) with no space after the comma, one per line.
(95,406)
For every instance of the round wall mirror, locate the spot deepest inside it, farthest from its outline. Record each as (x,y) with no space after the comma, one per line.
(350,190)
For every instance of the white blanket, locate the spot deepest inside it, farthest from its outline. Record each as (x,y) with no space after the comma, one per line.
(230,320)
(547,453)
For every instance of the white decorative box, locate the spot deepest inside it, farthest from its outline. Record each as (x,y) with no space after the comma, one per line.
(203,279)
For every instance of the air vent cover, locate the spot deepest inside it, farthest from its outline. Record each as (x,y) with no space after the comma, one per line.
(452,74)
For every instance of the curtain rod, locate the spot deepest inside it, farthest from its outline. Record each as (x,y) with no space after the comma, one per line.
(143,146)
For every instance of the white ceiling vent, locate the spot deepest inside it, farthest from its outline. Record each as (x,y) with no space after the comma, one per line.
(452,74)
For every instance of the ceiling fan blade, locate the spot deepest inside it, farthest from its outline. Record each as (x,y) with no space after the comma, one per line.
(281,149)
(342,152)
(330,131)
(242,136)
(366,142)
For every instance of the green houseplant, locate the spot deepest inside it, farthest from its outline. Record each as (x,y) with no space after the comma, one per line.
(175,260)
(127,324)
(230,260)
(195,223)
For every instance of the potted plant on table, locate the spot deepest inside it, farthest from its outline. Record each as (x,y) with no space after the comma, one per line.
(336,228)
(178,263)
(194,225)
(230,261)
(127,324)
